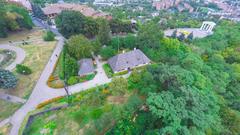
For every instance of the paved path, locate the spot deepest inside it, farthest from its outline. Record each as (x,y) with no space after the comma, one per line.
(20,55)
(4,122)
(11,98)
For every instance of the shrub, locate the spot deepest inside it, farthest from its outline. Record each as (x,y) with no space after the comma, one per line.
(108,70)
(121,73)
(7,79)
(107,52)
(48,36)
(96,113)
(73,80)
(22,69)
(47,102)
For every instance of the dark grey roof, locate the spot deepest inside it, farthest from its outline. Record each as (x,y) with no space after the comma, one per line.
(86,67)
(128,60)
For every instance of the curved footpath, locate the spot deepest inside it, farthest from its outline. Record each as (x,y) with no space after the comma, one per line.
(20,55)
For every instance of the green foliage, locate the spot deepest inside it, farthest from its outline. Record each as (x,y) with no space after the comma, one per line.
(49,36)
(68,65)
(107,52)
(73,23)
(13,18)
(22,69)
(37,12)
(118,26)
(104,32)
(108,70)
(129,41)
(149,36)
(72,80)
(79,47)
(70,23)
(118,86)
(7,79)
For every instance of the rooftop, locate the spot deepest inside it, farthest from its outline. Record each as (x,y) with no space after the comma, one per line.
(128,60)
(86,67)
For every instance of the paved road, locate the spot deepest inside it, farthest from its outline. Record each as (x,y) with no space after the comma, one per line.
(20,55)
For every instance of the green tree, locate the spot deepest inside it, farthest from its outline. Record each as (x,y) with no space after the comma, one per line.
(49,36)
(90,28)
(174,34)
(107,52)
(79,47)
(104,32)
(70,23)
(190,36)
(7,79)
(118,86)
(37,11)
(149,36)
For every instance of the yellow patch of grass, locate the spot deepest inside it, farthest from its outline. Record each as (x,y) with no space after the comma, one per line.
(7,109)
(5,130)
(33,34)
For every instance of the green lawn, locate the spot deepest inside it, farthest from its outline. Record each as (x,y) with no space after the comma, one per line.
(7,109)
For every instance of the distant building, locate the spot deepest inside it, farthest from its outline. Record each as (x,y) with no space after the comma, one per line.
(128,61)
(165,4)
(86,67)
(53,10)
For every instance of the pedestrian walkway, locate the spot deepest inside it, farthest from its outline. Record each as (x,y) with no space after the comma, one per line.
(4,122)
(11,98)
(20,55)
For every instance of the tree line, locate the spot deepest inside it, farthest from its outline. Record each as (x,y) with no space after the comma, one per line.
(13,18)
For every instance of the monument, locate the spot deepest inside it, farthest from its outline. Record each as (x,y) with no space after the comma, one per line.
(208,26)
(205,30)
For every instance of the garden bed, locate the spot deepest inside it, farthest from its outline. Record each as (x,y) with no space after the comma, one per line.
(6,58)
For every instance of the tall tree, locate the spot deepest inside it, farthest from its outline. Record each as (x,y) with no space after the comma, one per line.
(70,23)
(104,32)
(149,36)
(79,47)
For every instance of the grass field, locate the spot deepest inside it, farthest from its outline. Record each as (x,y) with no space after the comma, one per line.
(7,109)
(34,34)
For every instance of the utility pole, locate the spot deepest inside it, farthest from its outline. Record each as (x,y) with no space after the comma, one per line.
(65,79)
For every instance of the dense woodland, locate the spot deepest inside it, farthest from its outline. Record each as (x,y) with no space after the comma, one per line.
(192,88)
(13,18)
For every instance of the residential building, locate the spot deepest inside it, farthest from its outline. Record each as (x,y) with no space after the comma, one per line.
(86,67)
(53,10)
(128,61)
